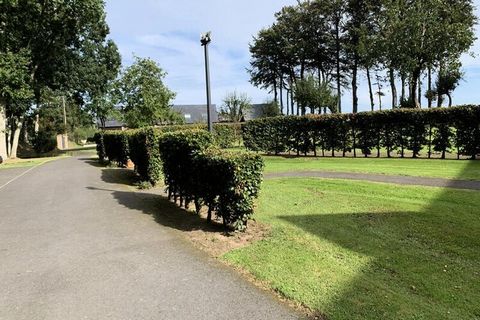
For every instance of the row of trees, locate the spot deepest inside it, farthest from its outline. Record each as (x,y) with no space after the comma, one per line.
(318,48)
(56,54)
(50,48)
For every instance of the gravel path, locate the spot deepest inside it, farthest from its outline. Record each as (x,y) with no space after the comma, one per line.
(404,180)
(74,245)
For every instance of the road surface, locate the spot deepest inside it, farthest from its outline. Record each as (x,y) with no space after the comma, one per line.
(76,246)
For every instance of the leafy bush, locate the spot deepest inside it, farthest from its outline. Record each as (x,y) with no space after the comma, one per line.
(399,129)
(44,141)
(117,147)
(226,182)
(83,133)
(102,155)
(144,152)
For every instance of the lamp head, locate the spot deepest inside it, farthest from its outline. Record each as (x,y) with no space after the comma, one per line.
(206,38)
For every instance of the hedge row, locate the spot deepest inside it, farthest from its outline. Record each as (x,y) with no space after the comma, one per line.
(141,146)
(194,169)
(438,130)
(226,182)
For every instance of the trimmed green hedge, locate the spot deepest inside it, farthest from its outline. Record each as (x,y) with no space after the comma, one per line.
(113,146)
(399,130)
(194,170)
(144,153)
(226,182)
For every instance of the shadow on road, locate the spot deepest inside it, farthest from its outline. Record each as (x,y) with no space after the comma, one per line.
(153,202)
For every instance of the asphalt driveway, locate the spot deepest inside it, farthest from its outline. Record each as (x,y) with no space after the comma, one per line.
(70,250)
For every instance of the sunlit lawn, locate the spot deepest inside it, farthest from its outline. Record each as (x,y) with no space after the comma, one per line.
(359,250)
(19,163)
(459,169)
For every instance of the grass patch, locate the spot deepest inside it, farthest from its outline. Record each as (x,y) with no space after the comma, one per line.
(458,169)
(360,250)
(20,163)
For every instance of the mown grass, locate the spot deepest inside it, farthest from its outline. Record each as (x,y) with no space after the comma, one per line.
(20,163)
(458,169)
(359,250)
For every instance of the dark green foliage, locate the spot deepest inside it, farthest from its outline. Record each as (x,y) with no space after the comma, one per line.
(145,154)
(226,182)
(102,155)
(399,129)
(116,147)
(44,141)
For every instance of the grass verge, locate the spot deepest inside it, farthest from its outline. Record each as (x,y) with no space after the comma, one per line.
(360,250)
(20,163)
(450,169)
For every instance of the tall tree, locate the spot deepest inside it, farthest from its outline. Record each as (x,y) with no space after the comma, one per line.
(144,98)
(235,105)
(57,36)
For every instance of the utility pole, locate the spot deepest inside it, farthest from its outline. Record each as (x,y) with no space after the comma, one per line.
(64,135)
(205,39)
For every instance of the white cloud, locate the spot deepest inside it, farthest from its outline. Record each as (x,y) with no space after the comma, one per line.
(168,31)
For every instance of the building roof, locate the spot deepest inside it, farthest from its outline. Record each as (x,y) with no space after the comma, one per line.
(196,113)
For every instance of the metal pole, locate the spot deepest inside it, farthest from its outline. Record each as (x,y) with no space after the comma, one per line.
(207,76)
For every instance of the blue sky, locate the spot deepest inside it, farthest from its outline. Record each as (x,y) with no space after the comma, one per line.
(168,31)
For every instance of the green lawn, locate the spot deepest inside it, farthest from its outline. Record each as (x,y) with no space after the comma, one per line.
(19,163)
(459,169)
(360,250)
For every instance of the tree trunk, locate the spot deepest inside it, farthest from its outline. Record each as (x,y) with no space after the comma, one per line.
(16,138)
(370,90)
(281,95)
(3,129)
(288,102)
(393,88)
(429,87)
(413,88)
(402,96)
(354,85)
(337,57)
(420,91)
(439,94)
(37,123)
(449,99)
(439,100)
(275,91)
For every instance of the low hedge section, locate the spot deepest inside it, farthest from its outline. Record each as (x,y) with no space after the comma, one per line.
(194,171)
(398,130)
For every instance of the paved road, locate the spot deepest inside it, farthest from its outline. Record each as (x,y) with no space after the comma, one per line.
(73,246)
(404,180)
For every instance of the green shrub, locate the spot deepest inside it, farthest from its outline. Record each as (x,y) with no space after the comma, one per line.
(395,130)
(116,147)
(83,133)
(44,141)
(102,155)
(145,154)
(226,182)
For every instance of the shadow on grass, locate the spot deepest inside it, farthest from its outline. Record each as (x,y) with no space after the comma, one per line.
(424,265)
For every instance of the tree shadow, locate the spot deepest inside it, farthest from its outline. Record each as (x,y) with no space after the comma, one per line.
(423,265)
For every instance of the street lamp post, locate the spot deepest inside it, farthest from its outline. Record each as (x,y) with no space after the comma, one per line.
(205,39)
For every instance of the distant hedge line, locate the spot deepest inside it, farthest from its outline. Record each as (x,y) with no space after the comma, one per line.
(194,169)
(140,145)
(440,130)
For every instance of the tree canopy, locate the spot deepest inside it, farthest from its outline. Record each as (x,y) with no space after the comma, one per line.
(144,98)
(336,40)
